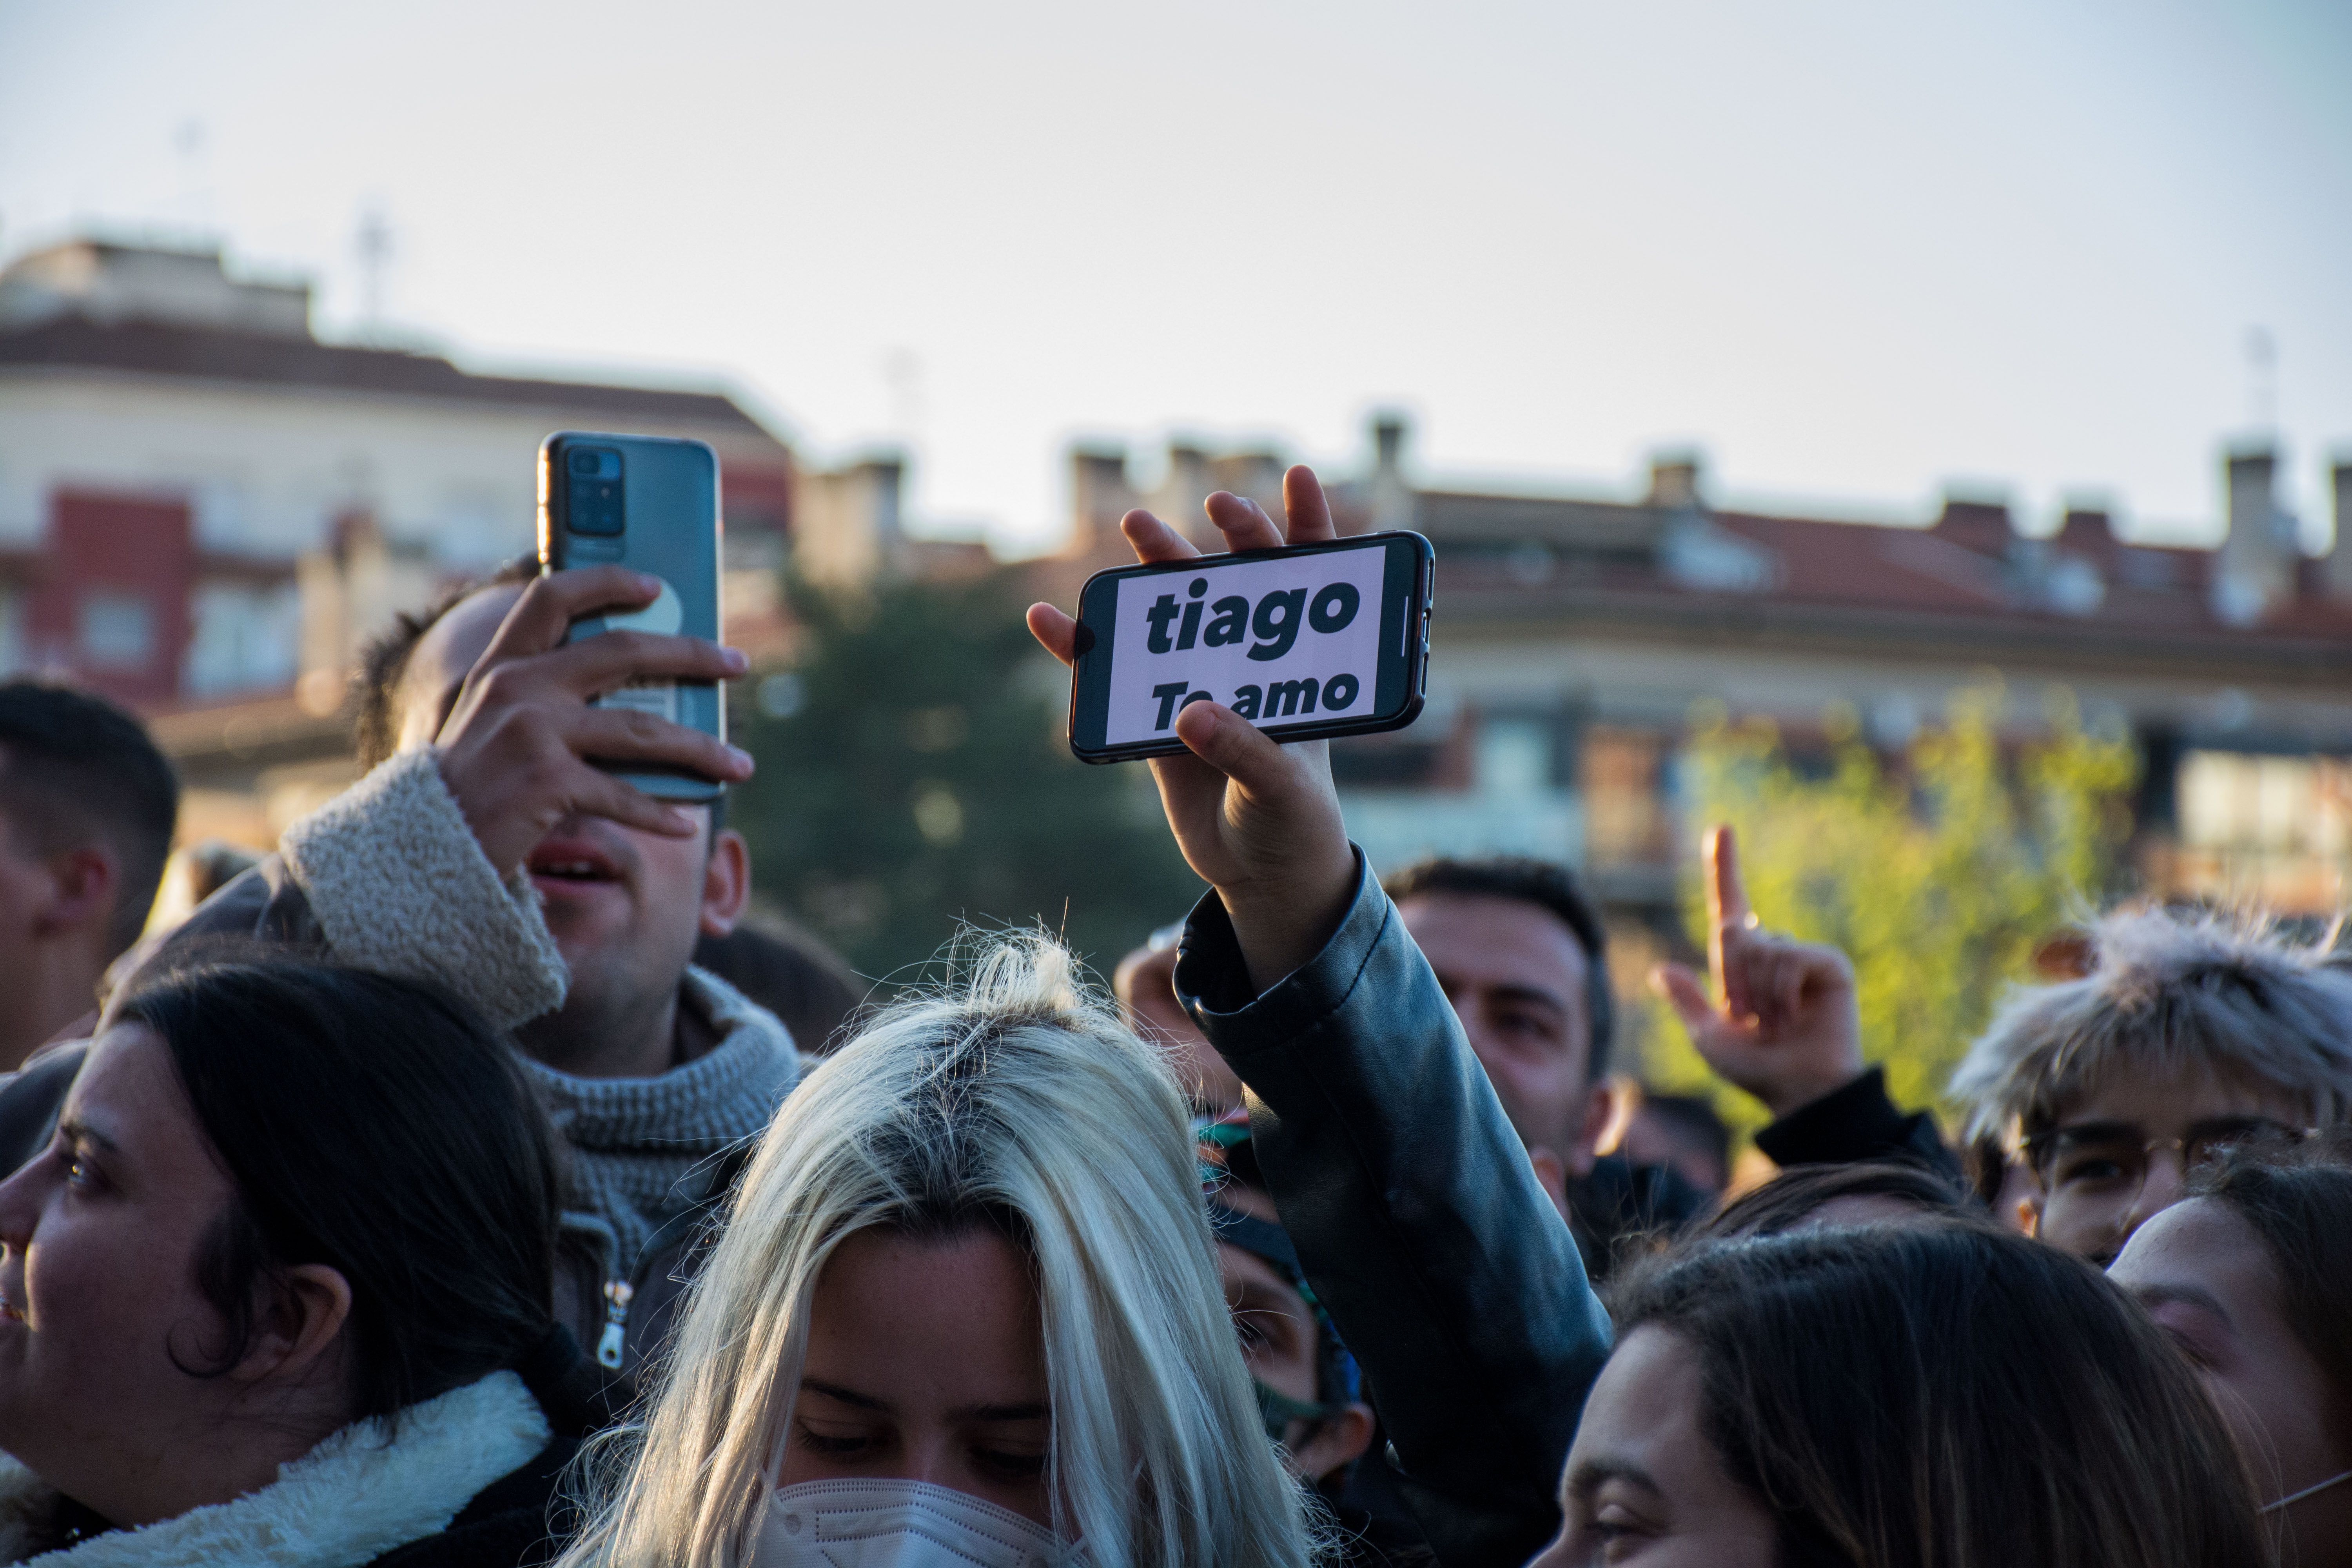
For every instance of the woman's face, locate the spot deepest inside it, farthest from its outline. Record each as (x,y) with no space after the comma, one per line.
(2211,1286)
(1643,1484)
(925,1363)
(97,1282)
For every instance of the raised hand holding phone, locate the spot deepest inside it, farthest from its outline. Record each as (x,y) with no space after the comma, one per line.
(1786,1028)
(1256,819)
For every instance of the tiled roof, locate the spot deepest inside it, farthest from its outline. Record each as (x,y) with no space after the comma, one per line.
(1968,583)
(158,348)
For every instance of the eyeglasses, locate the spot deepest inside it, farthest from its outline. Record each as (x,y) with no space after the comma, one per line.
(2110,1159)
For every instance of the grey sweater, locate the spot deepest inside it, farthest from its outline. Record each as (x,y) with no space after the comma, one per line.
(395,881)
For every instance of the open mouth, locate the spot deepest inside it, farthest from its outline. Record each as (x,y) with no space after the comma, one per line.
(572,863)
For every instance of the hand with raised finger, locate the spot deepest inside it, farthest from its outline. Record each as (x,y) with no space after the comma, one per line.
(1259,820)
(1781,1021)
(519,749)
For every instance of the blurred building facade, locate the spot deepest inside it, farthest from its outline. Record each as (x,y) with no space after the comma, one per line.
(205,510)
(1575,636)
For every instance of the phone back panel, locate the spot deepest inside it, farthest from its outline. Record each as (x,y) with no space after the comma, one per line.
(650,503)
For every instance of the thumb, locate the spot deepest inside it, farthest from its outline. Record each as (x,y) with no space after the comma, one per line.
(1685,994)
(1234,747)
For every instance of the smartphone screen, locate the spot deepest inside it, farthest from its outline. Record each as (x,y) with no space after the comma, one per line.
(1319,639)
(651,503)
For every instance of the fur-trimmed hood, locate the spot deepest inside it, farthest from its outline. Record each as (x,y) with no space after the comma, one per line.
(346,1502)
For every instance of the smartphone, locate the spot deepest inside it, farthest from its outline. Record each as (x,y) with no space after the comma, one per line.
(650,503)
(1303,642)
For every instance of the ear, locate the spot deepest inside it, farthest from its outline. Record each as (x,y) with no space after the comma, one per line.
(300,1328)
(85,882)
(1335,1441)
(1606,1111)
(726,883)
(2028,1214)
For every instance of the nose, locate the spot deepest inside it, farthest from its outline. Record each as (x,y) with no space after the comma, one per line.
(20,1205)
(2163,1186)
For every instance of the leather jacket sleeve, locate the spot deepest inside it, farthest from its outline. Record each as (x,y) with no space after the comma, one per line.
(1857,1122)
(1417,1219)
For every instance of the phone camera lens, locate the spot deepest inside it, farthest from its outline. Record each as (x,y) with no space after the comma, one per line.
(583,462)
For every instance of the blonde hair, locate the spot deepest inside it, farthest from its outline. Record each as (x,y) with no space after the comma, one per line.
(2167,990)
(1010,1094)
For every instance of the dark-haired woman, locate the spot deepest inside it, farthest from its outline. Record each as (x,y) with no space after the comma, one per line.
(2251,1278)
(277,1293)
(1897,1397)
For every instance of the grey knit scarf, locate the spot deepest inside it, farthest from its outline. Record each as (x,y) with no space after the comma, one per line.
(630,1140)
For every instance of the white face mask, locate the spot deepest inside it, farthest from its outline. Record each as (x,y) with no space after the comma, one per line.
(896,1525)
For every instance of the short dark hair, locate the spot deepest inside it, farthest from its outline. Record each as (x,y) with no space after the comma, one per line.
(375,1125)
(376,683)
(1790,1198)
(1908,1395)
(74,767)
(2299,1203)
(1548,886)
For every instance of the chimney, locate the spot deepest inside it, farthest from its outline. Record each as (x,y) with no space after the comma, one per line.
(1392,497)
(2339,553)
(2255,566)
(1674,481)
(1099,495)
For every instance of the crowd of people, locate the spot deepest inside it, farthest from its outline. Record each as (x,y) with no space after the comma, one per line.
(466,1183)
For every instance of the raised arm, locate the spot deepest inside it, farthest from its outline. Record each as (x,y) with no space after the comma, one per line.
(1781,1020)
(1417,1219)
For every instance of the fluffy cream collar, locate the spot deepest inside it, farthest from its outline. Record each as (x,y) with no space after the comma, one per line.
(346,1502)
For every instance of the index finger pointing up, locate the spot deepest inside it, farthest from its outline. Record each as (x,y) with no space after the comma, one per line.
(1727,896)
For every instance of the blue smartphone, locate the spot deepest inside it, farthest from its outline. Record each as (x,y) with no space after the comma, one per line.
(650,503)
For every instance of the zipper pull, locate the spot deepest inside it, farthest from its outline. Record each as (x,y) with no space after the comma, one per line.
(616,1323)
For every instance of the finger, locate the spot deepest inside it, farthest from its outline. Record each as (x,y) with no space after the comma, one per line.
(1304,504)
(550,604)
(1154,539)
(599,794)
(595,664)
(1735,956)
(625,735)
(1057,631)
(1726,894)
(1789,981)
(1243,521)
(1234,747)
(1685,994)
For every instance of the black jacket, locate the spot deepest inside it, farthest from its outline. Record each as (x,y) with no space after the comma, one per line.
(1417,1219)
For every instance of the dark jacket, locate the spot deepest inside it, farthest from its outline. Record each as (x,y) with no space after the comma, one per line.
(1417,1219)
(524,1518)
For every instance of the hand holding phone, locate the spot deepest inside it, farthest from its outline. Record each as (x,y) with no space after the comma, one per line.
(514,750)
(1257,819)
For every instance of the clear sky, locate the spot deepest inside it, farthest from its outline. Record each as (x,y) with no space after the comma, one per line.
(1855,251)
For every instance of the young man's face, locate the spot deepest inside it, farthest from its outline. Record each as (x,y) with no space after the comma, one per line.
(624,906)
(2097,1178)
(1517,976)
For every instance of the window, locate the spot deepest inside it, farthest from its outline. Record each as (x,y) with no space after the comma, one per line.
(116,630)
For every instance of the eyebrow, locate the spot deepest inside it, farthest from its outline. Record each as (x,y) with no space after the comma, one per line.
(1032,1411)
(1589,1474)
(1551,999)
(75,1127)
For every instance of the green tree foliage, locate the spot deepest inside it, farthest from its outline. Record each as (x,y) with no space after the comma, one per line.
(913,773)
(1939,872)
